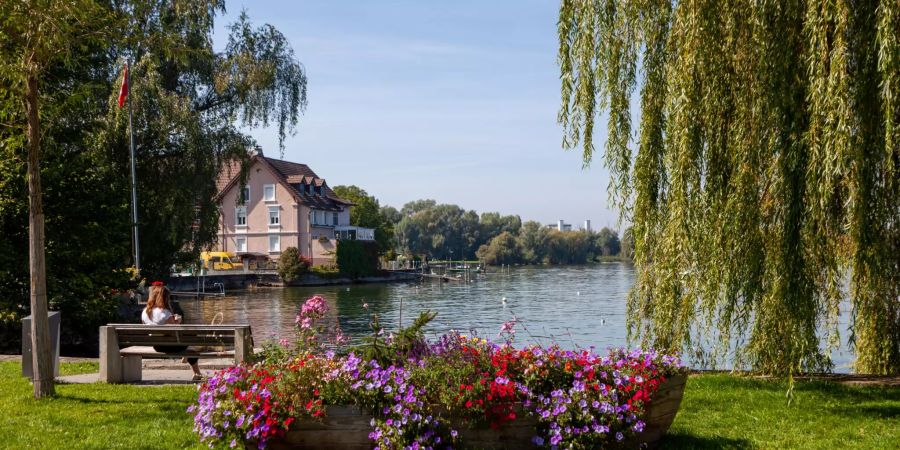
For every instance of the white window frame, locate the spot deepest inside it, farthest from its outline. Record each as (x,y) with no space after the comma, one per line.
(238,247)
(267,188)
(238,210)
(245,195)
(276,240)
(277,217)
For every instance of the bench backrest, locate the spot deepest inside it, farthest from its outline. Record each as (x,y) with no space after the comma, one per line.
(195,335)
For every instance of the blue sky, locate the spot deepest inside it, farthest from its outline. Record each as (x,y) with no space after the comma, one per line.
(454,101)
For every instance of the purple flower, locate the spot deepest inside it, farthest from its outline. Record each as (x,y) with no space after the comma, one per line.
(638,426)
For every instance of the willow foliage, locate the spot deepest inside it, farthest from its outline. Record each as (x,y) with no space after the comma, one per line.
(763,177)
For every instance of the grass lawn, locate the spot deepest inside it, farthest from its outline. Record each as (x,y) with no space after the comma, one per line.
(723,411)
(93,415)
(718,411)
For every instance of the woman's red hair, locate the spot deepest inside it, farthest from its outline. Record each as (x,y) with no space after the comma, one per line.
(159,298)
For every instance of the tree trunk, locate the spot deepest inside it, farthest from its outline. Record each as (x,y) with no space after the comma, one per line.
(42,362)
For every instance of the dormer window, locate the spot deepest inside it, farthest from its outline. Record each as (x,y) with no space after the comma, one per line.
(309,189)
(318,190)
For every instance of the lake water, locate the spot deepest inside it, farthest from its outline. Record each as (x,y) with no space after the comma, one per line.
(574,305)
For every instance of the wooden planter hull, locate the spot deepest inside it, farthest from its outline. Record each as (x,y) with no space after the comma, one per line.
(346,427)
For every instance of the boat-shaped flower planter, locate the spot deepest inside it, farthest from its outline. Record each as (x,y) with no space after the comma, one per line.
(346,427)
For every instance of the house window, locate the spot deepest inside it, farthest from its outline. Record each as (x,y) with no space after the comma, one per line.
(274,244)
(334,219)
(269,192)
(274,216)
(240,216)
(245,195)
(319,190)
(241,244)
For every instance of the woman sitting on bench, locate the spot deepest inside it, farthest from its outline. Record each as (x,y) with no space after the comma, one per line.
(159,312)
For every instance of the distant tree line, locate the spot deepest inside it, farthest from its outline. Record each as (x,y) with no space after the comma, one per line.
(538,244)
(425,228)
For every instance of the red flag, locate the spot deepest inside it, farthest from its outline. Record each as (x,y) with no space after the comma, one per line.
(123,92)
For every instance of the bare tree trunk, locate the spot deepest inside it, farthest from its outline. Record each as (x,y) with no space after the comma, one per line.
(42,362)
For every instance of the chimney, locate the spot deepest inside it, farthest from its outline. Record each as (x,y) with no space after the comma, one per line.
(256,150)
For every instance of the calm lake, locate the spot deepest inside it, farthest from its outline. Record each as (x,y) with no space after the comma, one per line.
(574,305)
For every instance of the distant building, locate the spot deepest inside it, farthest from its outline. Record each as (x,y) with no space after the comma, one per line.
(561,225)
(283,204)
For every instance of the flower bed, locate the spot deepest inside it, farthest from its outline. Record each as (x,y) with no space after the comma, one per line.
(348,427)
(403,392)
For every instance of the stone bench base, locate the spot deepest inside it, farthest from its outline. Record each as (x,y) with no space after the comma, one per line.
(132,356)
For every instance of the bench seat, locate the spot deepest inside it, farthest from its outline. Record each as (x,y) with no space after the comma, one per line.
(122,346)
(149,352)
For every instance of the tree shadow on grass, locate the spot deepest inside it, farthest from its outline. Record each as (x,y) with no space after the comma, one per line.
(688,441)
(173,404)
(876,412)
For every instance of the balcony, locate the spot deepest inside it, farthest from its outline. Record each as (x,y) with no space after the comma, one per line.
(354,233)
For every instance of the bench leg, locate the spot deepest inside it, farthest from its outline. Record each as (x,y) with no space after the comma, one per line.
(243,346)
(131,368)
(110,361)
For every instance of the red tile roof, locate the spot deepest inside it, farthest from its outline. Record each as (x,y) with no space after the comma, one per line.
(291,176)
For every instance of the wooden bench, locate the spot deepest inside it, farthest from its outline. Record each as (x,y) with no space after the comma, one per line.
(123,346)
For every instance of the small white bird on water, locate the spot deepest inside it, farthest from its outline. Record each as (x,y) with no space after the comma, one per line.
(503,300)
(578,293)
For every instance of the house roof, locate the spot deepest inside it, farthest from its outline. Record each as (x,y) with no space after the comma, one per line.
(291,175)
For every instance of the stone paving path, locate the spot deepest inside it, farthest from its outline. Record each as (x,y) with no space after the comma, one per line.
(157,372)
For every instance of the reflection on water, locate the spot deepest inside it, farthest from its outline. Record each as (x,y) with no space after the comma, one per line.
(575,305)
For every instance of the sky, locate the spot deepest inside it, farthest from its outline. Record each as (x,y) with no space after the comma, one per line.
(453,101)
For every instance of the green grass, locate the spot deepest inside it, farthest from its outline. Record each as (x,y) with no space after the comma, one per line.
(93,416)
(718,411)
(723,411)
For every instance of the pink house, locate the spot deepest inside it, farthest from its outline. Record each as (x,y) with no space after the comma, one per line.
(283,204)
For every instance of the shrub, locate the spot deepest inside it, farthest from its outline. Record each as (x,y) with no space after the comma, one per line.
(10,331)
(357,258)
(327,272)
(292,265)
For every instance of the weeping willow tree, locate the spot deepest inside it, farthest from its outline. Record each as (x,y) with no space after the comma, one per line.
(762,178)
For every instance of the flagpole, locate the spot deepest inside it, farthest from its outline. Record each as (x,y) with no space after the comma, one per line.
(134,213)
